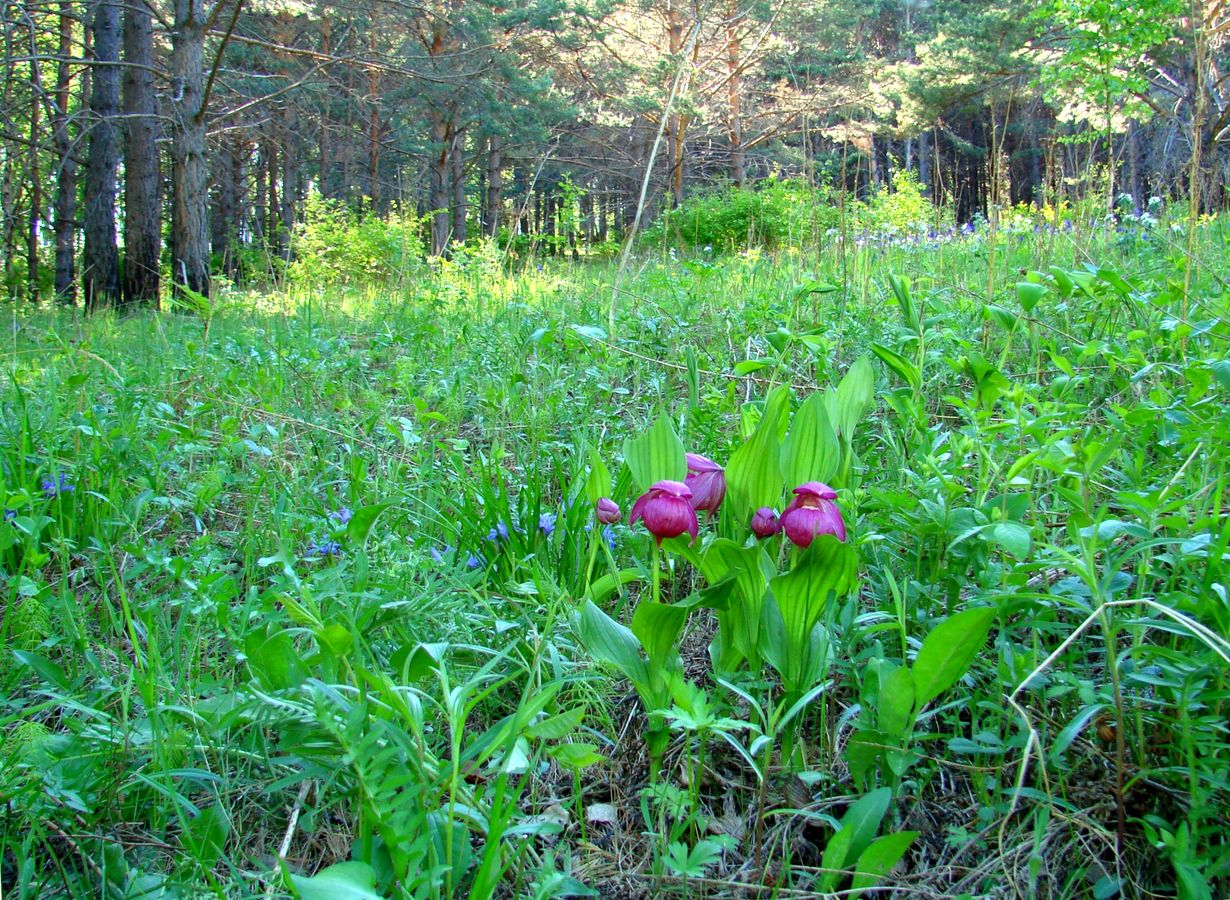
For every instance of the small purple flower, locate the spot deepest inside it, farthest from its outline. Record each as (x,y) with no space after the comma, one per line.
(707,481)
(324,550)
(54,487)
(473,561)
(607,511)
(10,515)
(342,516)
(812,512)
(499,532)
(438,555)
(608,535)
(546,523)
(666,510)
(765,523)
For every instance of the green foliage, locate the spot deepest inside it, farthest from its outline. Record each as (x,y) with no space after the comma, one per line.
(336,559)
(334,245)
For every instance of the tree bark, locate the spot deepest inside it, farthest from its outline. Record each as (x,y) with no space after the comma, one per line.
(734,95)
(66,165)
(101,264)
(222,223)
(495,185)
(437,199)
(460,205)
(142,225)
(189,168)
(36,180)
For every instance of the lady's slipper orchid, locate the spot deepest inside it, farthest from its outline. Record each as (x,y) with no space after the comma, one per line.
(607,511)
(666,510)
(765,523)
(707,481)
(812,512)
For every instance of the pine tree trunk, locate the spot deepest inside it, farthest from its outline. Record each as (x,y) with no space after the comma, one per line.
(66,165)
(222,222)
(495,185)
(101,263)
(437,199)
(142,225)
(460,207)
(189,168)
(290,180)
(36,187)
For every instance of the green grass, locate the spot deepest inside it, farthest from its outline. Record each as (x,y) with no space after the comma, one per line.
(201,698)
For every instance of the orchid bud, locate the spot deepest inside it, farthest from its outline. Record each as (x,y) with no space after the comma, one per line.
(707,481)
(765,523)
(606,511)
(666,510)
(812,512)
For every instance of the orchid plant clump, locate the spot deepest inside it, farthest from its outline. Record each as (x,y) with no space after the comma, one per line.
(768,578)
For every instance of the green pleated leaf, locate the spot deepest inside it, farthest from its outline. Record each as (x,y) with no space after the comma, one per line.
(656,454)
(826,569)
(610,642)
(854,397)
(811,451)
(657,627)
(754,473)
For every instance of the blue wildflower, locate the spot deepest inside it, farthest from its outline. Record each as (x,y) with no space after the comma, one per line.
(473,561)
(499,532)
(10,515)
(342,516)
(546,523)
(54,487)
(324,550)
(608,535)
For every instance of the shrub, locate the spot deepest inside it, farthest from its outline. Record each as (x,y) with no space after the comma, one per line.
(334,245)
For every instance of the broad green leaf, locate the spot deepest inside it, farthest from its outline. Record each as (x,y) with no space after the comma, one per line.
(576,756)
(343,881)
(1013,537)
(834,858)
(901,290)
(827,568)
(863,820)
(656,454)
(336,637)
(557,727)
(417,661)
(205,836)
(1063,281)
(748,366)
(598,484)
(1028,293)
(906,370)
(602,589)
(1004,318)
(361,522)
(896,707)
(49,671)
(811,451)
(854,397)
(949,650)
(657,627)
(610,642)
(751,569)
(274,660)
(879,858)
(864,750)
(754,473)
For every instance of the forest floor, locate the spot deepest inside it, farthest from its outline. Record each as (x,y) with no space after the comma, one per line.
(306,595)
